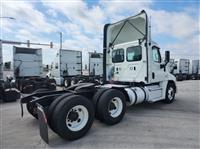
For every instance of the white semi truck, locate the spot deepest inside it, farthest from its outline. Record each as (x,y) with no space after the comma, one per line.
(133,72)
(28,70)
(66,68)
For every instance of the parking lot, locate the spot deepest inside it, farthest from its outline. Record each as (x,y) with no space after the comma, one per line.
(155,125)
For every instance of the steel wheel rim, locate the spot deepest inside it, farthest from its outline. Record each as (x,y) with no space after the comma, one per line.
(170,93)
(117,109)
(81,120)
(73,82)
(66,83)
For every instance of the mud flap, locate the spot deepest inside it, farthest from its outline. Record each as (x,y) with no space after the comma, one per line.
(42,123)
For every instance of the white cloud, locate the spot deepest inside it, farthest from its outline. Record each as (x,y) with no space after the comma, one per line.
(188,48)
(27,16)
(116,9)
(52,13)
(180,25)
(82,24)
(6,25)
(86,45)
(78,12)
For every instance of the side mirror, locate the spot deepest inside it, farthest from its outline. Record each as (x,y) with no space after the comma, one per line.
(167,56)
(162,66)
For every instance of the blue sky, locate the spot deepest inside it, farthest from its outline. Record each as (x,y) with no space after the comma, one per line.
(175,24)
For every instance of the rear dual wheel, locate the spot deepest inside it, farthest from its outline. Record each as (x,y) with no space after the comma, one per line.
(70,81)
(52,108)
(67,82)
(73,117)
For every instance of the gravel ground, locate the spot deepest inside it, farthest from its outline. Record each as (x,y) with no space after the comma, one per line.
(144,126)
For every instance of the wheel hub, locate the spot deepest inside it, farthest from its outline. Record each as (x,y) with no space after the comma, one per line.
(115,107)
(73,116)
(112,106)
(170,93)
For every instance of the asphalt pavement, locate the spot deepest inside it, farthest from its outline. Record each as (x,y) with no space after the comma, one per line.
(144,126)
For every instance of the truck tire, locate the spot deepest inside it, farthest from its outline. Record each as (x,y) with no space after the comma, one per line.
(27,86)
(32,109)
(52,108)
(111,106)
(67,82)
(95,100)
(52,81)
(73,117)
(11,95)
(170,93)
(51,86)
(74,81)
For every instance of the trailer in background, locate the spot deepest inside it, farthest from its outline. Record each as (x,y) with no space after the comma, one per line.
(95,64)
(95,70)
(181,70)
(194,69)
(66,68)
(28,70)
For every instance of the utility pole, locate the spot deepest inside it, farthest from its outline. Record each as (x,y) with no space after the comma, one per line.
(60,40)
(59,51)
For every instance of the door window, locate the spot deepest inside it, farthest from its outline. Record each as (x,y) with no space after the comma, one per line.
(134,53)
(118,55)
(156,54)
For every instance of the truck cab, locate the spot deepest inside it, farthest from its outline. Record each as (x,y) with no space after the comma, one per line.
(132,60)
(130,54)
(127,63)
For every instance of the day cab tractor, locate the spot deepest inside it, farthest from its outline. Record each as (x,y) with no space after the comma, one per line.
(133,72)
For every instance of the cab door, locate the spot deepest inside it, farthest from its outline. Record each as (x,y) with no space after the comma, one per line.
(157,73)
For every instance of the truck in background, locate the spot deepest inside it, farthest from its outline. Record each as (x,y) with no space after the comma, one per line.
(95,64)
(8,92)
(66,68)
(171,66)
(181,70)
(194,69)
(28,70)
